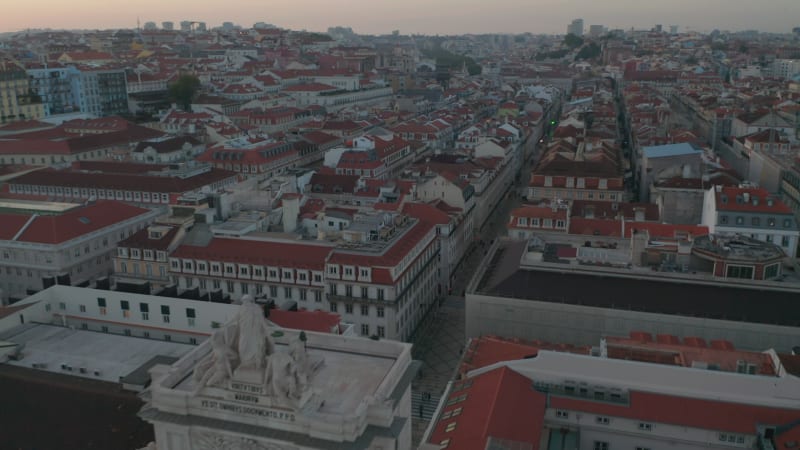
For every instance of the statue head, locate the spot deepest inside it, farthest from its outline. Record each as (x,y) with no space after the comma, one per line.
(247,299)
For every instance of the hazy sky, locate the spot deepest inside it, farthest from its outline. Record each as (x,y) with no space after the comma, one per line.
(409,16)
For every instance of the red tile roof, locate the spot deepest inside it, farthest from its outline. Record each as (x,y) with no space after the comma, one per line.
(426,212)
(735,201)
(328,183)
(641,347)
(595,227)
(392,256)
(310,87)
(6,311)
(129,182)
(487,350)
(265,253)
(665,230)
(142,240)
(69,225)
(683,411)
(319,321)
(500,404)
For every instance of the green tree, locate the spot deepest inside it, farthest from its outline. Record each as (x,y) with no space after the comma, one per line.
(573,41)
(590,51)
(183,90)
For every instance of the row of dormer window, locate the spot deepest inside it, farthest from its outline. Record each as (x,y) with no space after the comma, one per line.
(337,271)
(246,271)
(147,254)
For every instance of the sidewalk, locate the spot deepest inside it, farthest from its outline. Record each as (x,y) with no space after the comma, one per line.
(439,347)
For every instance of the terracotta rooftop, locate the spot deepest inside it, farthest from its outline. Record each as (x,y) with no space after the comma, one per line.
(499,404)
(54,229)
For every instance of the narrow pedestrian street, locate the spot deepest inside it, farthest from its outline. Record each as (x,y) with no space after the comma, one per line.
(441,339)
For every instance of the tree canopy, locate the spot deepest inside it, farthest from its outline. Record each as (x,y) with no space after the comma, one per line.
(573,41)
(447,58)
(589,51)
(183,90)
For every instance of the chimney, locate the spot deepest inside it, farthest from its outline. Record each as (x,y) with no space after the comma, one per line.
(718,188)
(638,214)
(746,197)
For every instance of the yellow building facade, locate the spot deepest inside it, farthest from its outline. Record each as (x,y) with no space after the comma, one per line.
(17,100)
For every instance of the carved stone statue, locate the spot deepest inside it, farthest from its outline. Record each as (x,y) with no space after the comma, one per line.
(254,342)
(218,366)
(242,350)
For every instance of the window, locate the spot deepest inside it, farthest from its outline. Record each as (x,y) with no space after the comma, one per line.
(785,241)
(380,294)
(744,272)
(602,420)
(287,292)
(365,329)
(62,306)
(642,448)
(562,414)
(644,426)
(364,291)
(381,331)
(127,331)
(348,290)
(333,307)
(364,310)
(456,399)
(303,294)
(193,341)
(739,220)
(245,288)
(755,221)
(82,308)
(450,427)
(318,296)
(379,311)
(771,271)
(723,219)
(104,329)
(787,223)
(167,338)
(600,445)
(124,305)
(348,308)
(771,222)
